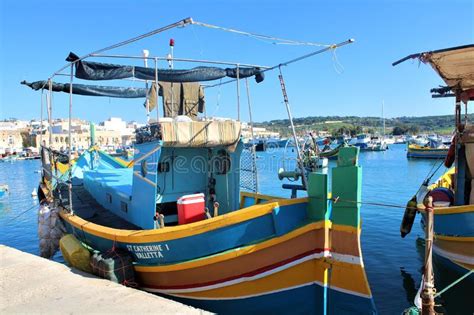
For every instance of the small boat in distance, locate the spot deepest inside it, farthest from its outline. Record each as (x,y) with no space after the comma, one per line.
(425,152)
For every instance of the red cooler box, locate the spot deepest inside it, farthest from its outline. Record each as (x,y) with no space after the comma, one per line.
(191,208)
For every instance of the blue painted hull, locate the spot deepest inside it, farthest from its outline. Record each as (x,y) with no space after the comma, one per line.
(292,301)
(281,221)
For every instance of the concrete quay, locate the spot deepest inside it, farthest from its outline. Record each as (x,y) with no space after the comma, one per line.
(33,285)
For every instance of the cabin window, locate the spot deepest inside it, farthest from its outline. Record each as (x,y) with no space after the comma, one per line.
(163,167)
(108,197)
(123,206)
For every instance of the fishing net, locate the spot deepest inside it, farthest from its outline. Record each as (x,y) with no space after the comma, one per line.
(248,171)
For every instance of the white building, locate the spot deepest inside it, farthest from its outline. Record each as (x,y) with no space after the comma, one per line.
(259,132)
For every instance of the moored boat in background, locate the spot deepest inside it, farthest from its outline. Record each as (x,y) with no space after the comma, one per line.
(452,193)
(423,152)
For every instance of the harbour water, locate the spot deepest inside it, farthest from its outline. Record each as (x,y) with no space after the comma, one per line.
(393,265)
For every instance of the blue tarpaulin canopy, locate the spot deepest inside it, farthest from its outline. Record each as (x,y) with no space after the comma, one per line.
(91,90)
(87,70)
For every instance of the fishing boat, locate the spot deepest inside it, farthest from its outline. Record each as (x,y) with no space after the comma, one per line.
(426,152)
(362,141)
(331,153)
(378,144)
(283,143)
(179,212)
(453,193)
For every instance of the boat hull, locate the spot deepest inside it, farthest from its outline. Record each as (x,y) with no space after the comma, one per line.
(454,237)
(266,258)
(297,300)
(426,153)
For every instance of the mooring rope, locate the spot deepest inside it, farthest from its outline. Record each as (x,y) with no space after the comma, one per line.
(454,283)
(369,203)
(22,213)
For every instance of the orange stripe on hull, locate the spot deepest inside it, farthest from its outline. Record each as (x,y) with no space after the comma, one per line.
(243,261)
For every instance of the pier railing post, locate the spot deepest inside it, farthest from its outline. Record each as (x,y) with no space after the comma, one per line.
(429,290)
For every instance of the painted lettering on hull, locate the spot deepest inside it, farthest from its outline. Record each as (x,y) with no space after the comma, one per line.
(148,251)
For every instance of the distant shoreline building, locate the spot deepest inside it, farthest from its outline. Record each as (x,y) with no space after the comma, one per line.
(259,132)
(16,135)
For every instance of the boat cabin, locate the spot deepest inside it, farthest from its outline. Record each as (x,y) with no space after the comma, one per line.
(173,159)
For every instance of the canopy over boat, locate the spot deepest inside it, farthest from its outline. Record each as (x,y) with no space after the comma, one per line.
(87,70)
(90,90)
(455,66)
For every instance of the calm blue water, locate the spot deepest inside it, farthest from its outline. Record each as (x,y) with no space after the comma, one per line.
(393,265)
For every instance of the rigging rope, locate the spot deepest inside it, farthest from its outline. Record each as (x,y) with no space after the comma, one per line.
(265,38)
(454,283)
(338,67)
(428,178)
(22,213)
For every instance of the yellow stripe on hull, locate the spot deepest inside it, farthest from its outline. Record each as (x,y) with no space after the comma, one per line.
(345,277)
(169,233)
(176,232)
(449,210)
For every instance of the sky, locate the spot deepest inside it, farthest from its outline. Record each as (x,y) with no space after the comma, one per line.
(36,37)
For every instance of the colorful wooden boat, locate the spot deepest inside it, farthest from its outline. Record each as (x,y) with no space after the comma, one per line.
(453,193)
(250,253)
(331,154)
(419,152)
(268,255)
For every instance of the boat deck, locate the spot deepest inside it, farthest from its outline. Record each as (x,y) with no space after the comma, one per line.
(86,207)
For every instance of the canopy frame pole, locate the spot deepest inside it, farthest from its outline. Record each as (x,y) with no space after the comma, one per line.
(317,52)
(171,66)
(228,63)
(290,117)
(41,119)
(50,124)
(238,92)
(254,154)
(147,102)
(182,23)
(157,91)
(457,137)
(70,141)
(41,148)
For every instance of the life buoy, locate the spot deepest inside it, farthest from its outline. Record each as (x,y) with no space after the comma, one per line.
(449,160)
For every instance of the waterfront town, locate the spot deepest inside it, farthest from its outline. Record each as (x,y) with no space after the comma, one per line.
(23,138)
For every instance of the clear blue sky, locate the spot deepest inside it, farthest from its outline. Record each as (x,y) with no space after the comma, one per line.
(36,36)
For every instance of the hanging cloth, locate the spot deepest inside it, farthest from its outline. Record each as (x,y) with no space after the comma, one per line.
(192,99)
(178,98)
(171,93)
